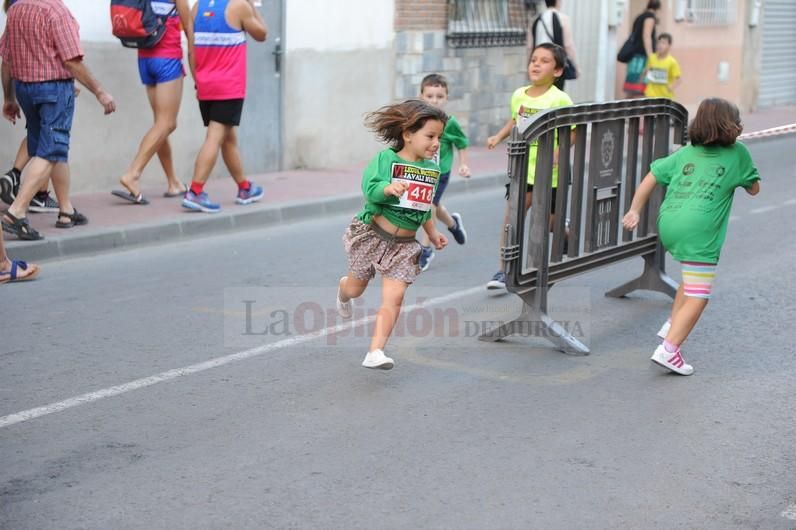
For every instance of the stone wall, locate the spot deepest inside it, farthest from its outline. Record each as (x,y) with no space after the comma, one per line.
(481,80)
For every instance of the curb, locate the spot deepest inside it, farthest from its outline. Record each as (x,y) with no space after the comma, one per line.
(105,240)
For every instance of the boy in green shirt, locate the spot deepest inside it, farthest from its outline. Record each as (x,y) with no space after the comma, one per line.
(434,91)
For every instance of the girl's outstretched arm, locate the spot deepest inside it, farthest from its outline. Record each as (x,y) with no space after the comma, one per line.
(641,197)
(754,189)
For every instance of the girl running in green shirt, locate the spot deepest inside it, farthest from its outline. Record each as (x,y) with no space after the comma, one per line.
(692,223)
(398,186)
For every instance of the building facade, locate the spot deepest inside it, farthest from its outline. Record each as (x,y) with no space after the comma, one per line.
(326,64)
(735,49)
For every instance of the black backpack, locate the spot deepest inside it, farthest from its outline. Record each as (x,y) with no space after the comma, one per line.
(136,24)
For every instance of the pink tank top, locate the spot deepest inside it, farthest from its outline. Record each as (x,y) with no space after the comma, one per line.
(220,54)
(170,46)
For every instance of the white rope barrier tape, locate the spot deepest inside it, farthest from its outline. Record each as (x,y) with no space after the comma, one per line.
(774,131)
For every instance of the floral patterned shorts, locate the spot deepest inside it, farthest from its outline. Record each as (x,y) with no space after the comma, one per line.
(370,249)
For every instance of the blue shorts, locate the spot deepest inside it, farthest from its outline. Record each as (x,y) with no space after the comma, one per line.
(48,108)
(154,70)
(443,183)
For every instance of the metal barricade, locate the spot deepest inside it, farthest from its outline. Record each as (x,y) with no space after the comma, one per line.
(595,188)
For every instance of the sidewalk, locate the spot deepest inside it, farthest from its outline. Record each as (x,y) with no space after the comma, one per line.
(289,196)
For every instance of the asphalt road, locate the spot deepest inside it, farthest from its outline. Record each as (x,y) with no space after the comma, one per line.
(190,416)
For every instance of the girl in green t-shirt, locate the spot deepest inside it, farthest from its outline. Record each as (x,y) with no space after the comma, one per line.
(398,186)
(701,180)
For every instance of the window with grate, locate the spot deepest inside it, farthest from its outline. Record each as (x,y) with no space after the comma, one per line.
(711,12)
(481,23)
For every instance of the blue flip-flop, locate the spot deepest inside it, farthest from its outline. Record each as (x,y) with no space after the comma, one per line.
(13,274)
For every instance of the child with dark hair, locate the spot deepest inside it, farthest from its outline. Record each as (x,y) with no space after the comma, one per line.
(398,186)
(663,70)
(544,68)
(434,91)
(692,223)
(643,36)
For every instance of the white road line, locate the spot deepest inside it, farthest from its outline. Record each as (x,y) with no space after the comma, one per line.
(790,512)
(90,397)
(734,218)
(790,202)
(763,209)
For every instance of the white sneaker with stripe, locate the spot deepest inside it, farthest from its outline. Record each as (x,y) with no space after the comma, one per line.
(671,361)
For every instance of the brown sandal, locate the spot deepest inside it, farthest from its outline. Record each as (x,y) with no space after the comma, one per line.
(75,219)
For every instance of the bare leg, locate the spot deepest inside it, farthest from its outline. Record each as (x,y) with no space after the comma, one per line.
(679,300)
(392,297)
(23,157)
(61,178)
(22,160)
(208,154)
(36,173)
(164,98)
(442,214)
(685,318)
(231,155)
(164,155)
(351,287)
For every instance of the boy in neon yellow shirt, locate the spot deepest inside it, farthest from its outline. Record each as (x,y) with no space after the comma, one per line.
(544,68)
(663,70)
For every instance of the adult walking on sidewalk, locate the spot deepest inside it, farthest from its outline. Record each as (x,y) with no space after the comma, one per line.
(42,202)
(219,68)
(161,72)
(41,51)
(643,41)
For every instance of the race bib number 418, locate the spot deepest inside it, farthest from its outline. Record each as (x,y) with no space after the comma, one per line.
(422,183)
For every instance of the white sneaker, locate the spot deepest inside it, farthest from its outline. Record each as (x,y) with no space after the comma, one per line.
(664,330)
(343,308)
(377,359)
(671,361)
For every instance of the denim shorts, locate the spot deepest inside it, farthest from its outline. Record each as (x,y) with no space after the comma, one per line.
(48,108)
(154,70)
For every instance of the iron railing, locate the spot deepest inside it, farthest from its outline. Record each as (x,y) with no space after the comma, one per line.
(485,23)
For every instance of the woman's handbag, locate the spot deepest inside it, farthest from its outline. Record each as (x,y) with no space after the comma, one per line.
(628,49)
